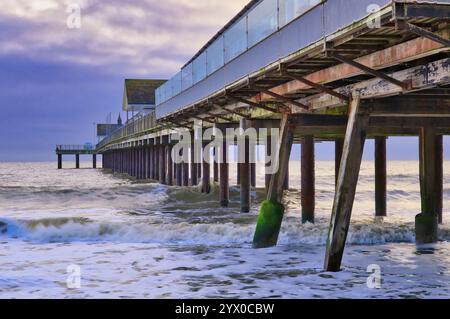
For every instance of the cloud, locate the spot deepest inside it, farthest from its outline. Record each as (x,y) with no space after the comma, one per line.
(146,37)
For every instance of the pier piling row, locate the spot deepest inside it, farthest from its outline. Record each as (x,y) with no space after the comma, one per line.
(359,82)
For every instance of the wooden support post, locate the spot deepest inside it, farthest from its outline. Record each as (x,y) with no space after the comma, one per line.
(194,159)
(224,192)
(238,173)
(427,220)
(215,165)
(346,187)
(156,157)
(94,161)
(169,160)
(59,161)
(308,179)
(439,176)
(139,163)
(136,162)
(179,174)
(77,160)
(268,175)
(244,170)
(206,182)
(162,161)
(151,163)
(338,146)
(286,178)
(130,162)
(146,162)
(253,174)
(380,176)
(185,170)
(143,163)
(272,211)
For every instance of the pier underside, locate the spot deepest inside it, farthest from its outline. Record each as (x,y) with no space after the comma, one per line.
(363,82)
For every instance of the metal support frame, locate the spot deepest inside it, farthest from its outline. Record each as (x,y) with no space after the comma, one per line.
(233,112)
(253,104)
(362,67)
(405,25)
(281,97)
(317,86)
(220,116)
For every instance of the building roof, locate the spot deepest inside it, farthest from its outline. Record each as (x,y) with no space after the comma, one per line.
(140,94)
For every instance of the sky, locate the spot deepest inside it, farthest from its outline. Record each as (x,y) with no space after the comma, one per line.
(57,81)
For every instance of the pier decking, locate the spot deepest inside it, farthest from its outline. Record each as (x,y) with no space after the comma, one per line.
(336,71)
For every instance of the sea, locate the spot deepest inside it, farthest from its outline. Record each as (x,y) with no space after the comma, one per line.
(92,234)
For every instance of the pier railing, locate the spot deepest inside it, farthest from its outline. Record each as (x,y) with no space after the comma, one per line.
(135,126)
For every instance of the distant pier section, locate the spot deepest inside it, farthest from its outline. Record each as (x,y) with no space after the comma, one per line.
(77,150)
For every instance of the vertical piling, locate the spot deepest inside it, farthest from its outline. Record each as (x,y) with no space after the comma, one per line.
(338,146)
(194,166)
(286,178)
(169,160)
(253,174)
(224,172)
(380,176)
(427,220)
(156,157)
(238,173)
(244,169)
(439,176)
(346,187)
(268,164)
(77,160)
(206,182)
(59,161)
(272,210)
(179,174)
(94,161)
(151,158)
(185,171)
(162,160)
(216,165)
(307,179)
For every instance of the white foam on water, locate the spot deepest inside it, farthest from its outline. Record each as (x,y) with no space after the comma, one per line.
(144,240)
(184,233)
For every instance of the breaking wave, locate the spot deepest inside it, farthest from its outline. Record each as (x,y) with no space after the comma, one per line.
(292,233)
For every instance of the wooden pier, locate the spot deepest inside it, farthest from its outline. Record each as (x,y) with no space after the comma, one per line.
(75,150)
(358,82)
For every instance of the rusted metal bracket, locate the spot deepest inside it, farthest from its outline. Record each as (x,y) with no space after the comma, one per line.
(278,96)
(405,25)
(317,86)
(362,67)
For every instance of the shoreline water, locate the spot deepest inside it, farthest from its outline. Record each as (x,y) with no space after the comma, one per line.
(144,240)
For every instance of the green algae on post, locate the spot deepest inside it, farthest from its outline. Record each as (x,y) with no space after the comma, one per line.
(269,224)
